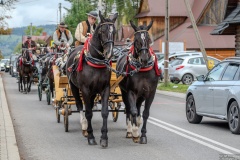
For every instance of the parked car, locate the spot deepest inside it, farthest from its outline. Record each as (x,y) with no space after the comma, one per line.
(14,68)
(7,66)
(2,64)
(174,55)
(159,55)
(216,95)
(12,59)
(186,69)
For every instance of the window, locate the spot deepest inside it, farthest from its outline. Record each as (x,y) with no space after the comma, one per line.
(195,61)
(230,72)
(215,73)
(176,62)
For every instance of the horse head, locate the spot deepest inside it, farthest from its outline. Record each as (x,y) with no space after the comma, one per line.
(26,56)
(142,43)
(105,34)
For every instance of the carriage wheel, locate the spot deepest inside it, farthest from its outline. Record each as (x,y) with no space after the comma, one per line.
(58,114)
(66,117)
(48,95)
(114,112)
(40,91)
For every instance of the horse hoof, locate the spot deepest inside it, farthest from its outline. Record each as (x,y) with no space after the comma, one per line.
(84,133)
(143,140)
(129,135)
(104,143)
(136,139)
(92,141)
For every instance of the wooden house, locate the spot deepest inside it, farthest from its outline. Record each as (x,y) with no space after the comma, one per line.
(207,13)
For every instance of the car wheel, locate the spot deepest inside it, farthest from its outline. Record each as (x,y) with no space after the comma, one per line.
(187,79)
(233,118)
(191,114)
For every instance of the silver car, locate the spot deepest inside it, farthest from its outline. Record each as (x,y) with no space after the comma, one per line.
(186,69)
(216,95)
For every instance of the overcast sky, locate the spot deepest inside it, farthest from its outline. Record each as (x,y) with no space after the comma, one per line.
(37,12)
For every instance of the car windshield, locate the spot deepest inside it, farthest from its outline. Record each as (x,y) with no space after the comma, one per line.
(176,62)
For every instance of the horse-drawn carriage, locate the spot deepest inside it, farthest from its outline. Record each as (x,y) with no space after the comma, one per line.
(64,99)
(96,79)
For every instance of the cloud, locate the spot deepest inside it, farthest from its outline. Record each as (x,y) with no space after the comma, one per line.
(39,12)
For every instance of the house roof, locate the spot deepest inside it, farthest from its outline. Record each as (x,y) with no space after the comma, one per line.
(157,8)
(185,34)
(227,26)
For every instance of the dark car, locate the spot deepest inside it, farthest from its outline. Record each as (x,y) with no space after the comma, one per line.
(7,66)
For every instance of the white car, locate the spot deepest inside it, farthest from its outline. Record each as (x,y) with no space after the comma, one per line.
(186,69)
(2,64)
(173,56)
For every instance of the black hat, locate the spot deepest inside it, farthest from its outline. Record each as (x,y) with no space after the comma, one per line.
(62,24)
(29,37)
(93,14)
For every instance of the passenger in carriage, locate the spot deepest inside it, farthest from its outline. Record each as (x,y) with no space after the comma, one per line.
(63,34)
(85,28)
(30,44)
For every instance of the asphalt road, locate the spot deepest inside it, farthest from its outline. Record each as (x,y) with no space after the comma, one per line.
(170,136)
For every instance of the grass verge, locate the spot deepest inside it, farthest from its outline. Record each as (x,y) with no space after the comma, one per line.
(182,88)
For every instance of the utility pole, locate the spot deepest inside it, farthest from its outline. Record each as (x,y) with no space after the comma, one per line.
(166,46)
(30,29)
(60,12)
(200,43)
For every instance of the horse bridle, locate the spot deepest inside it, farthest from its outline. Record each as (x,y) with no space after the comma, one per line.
(143,37)
(110,33)
(110,37)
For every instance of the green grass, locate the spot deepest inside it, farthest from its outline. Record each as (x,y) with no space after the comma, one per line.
(182,88)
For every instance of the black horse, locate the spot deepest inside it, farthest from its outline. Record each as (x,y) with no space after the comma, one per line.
(140,83)
(25,70)
(93,80)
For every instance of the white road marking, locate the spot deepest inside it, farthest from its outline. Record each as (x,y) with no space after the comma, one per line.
(191,138)
(197,135)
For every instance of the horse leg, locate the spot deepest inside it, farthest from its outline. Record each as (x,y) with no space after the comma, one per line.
(51,86)
(128,116)
(30,80)
(21,81)
(24,83)
(88,114)
(133,109)
(148,102)
(105,112)
(139,103)
(79,105)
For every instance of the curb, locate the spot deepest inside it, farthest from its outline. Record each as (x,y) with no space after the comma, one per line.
(8,143)
(172,94)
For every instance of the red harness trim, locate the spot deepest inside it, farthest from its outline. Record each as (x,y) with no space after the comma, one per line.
(143,69)
(96,65)
(86,48)
(131,51)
